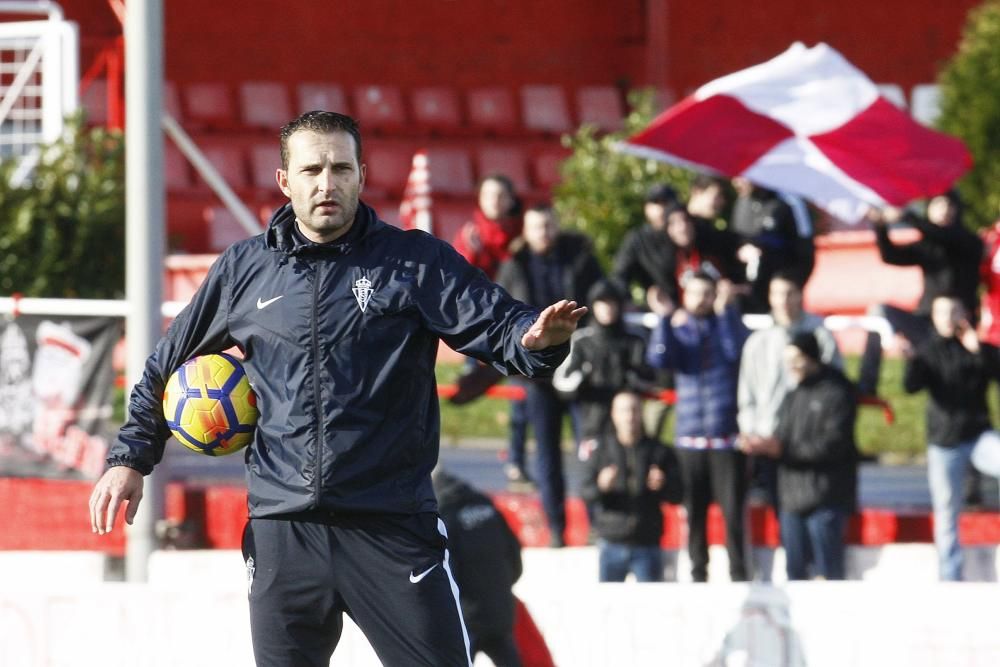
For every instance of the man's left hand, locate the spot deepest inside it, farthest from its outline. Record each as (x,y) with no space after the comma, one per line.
(554,326)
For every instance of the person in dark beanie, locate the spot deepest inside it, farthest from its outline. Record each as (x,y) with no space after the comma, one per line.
(817,461)
(605,358)
(626,479)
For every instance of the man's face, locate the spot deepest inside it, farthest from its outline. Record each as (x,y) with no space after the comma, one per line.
(698,297)
(680,229)
(940,211)
(540,231)
(799,365)
(946,313)
(323,181)
(495,201)
(785,298)
(656,215)
(626,415)
(708,201)
(606,311)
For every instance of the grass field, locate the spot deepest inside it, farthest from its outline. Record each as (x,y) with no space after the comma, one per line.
(901,441)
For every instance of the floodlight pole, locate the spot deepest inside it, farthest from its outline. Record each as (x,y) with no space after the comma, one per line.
(144,233)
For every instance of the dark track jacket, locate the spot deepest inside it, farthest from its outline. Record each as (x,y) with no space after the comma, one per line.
(340,342)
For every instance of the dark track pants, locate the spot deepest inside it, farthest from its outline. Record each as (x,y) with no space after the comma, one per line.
(720,473)
(389,573)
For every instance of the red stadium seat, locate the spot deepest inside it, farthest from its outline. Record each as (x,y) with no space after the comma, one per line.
(492,109)
(229,161)
(447,217)
(380,108)
(546,166)
(209,104)
(172,100)
(388,166)
(436,109)
(175,168)
(95,102)
(507,160)
(450,171)
(264,104)
(322,97)
(600,106)
(544,109)
(223,228)
(264,161)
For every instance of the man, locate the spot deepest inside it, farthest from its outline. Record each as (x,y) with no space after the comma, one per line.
(764,380)
(605,357)
(339,316)
(485,242)
(646,254)
(486,560)
(955,369)
(627,478)
(701,343)
(550,262)
(777,235)
(817,461)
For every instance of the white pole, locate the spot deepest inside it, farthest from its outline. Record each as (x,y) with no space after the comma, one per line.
(144,211)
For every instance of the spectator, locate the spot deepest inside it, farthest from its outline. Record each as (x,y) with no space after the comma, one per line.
(605,358)
(777,234)
(949,257)
(764,380)
(549,261)
(817,461)
(627,478)
(701,342)
(485,243)
(646,255)
(955,369)
(485,240)
(486,562)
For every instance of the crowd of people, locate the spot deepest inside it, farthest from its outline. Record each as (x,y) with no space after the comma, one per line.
(765,416)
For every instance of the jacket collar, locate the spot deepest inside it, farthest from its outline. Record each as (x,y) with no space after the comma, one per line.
(282,237)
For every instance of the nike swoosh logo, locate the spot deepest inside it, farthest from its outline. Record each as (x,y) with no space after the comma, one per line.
(416,578)
(265,304)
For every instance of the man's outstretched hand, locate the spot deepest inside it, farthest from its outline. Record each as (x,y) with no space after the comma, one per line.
(554,326)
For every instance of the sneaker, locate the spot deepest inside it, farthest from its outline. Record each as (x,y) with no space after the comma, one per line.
(516,473)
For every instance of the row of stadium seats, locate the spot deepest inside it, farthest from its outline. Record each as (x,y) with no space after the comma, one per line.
(535,109)
(455,167)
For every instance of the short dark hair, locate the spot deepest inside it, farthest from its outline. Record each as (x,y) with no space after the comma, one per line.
(543,207)
(789,277)
(704,182)
(699,274)
(322,122)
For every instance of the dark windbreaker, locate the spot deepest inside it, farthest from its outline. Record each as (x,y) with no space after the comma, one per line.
(340,342)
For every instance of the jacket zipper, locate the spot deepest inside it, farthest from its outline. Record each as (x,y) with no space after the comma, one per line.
(317,366)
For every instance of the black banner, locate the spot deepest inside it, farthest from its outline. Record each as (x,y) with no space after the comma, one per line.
(56,378)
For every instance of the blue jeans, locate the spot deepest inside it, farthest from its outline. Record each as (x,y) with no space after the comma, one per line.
(617,560)
(946,470)
(814,538)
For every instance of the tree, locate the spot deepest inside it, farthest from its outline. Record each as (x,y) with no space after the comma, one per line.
(62,233)
(970,109)
(602,191)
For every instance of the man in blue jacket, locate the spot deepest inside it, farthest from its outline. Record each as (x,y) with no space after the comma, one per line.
(702,343)
(339,317)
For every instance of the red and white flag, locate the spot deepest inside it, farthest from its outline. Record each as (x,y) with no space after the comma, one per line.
(808,123)
(415,209)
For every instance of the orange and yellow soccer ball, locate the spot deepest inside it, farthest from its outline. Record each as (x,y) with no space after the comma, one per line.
(209,405)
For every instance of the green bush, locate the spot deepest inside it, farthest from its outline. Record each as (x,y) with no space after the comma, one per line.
(62,234)
(970,109)
(601,192)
